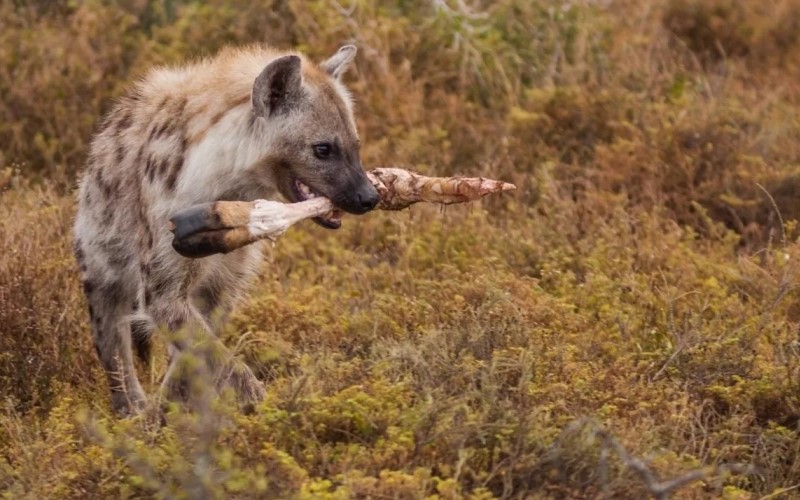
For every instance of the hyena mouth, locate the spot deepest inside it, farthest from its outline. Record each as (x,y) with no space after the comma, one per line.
(331,220)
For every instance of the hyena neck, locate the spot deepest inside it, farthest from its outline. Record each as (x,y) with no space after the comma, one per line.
(220,166)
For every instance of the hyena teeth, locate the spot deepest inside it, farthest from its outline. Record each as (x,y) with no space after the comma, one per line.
(304,189)
(334,215)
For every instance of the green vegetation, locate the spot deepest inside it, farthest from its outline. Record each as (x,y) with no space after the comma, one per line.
(641,284)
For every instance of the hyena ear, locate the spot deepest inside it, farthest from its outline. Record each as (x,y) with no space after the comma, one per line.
(278,86)
(338,63)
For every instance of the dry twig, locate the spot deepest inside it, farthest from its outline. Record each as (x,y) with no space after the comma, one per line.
(660,490)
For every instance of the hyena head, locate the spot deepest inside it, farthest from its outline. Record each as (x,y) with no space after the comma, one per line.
(314,143)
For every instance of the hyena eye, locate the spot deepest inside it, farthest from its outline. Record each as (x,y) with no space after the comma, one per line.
(323,150)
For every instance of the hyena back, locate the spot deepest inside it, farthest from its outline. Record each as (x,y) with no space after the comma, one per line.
(247,124)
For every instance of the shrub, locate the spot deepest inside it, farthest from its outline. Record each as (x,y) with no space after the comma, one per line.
(637,293)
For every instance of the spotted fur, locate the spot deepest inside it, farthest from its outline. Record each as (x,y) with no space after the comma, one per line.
(238,126)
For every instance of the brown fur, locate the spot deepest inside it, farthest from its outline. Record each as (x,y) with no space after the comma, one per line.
(241,125)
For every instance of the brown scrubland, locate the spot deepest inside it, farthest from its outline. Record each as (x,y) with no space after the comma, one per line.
(627,317)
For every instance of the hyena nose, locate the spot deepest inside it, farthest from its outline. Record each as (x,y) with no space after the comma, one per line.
(368,198)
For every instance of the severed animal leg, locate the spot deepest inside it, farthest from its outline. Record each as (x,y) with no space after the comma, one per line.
(224,226)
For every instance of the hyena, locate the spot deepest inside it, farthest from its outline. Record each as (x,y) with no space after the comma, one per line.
(249,123)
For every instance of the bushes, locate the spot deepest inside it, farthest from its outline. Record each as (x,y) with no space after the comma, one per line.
(466,372)
(45,341)
(719,29)
(639,276)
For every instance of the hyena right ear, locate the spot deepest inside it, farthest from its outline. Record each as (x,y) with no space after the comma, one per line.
(278,86)
(338,63)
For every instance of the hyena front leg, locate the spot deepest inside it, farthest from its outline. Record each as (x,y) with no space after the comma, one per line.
(109,310)
(213,305)
(106,285)
(194,341)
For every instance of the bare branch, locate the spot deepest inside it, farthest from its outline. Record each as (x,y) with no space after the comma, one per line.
(661,490)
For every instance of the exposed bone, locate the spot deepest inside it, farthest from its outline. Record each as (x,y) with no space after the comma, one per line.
(400,188)
(224,226)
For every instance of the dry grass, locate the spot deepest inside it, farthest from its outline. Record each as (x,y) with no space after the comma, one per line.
(629,316)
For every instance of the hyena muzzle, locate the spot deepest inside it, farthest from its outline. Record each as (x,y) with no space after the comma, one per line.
(247,124)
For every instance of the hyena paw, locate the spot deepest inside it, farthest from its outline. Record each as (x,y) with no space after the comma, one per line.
(238,376)
(128,404)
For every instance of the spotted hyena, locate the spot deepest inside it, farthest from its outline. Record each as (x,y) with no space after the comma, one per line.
(249,123)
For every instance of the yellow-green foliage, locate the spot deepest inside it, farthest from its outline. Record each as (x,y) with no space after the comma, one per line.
(642,279)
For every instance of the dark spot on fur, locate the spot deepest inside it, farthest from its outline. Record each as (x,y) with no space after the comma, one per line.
(158,280)
(125,121)
(163,167)
(217,117)
(139,155)
(120,153)
(114,188)
(177,165)
(77,248)
(88,287)
(107,121)
(159,284)
(119,259)
(163,129)
(243,99)
(147,234)
(104,187)
(150,168)
(98,179)
(176,323)
(118,254)
(158,130)
(112,292)
(140,338)
(208,298)
(181,107)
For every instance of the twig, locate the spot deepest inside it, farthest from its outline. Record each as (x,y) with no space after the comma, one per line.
(660,490)
(777,212)
(777,493)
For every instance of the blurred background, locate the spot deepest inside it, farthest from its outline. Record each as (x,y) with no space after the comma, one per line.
(642,279)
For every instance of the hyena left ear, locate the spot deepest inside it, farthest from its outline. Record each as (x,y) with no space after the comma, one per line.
(338,63)
(278,86)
